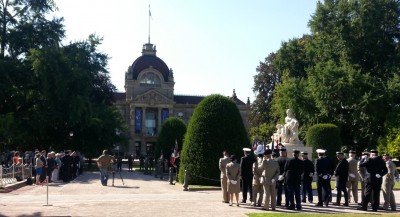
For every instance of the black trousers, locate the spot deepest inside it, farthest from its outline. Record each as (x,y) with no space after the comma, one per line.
(326,185)
(307,190)
(341,187)
(281,186)
(293,193)
(247,186)
(372,189)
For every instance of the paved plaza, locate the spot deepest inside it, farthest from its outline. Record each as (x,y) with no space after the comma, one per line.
(142,195)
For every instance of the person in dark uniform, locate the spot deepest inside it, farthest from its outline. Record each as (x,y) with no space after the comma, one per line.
(130,163)
(308,175)
(324,168)
(66,167)
(246,167)
(141,163)
(293,170)
(342,176)
(280,184)
(119,164)
(376,169)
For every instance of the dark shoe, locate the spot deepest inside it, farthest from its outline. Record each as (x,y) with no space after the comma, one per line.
(319,204)
(336,204)
(290,208)
(298,209)
(243,201)
(259,205)
(346,204)
(310,201)
(303,201)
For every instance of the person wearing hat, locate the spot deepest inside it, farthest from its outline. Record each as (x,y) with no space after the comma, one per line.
(362,171)
(342,176)
(270,172)
(352,184)
(324,168)
(246,167)
(376,169)
(233,173)
(258,188)
(224,179)
(388,184)
(280,184)
(308,175)
(293,170)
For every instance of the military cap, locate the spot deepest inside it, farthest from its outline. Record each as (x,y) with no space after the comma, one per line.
(339,153)
(246,149)
(295,151)
(374,151)
(304,153)
(352,152)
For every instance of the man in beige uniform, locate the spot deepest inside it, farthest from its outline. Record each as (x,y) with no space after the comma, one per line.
(270,175)
(258,187)
(352,184)
(388,184)
(224,179)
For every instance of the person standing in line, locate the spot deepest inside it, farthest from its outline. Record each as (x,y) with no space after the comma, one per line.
(324,169)
(342,176)
(55,175)
(280,184)
(308,175)
(388,183)
(38,167)
(105,163)
(352,184)
(376,169)
(119,164)
(224,179)
(130,163)
(258,188)
(293,169)
(270,173)
(233,174)
(362,171)
(246,167)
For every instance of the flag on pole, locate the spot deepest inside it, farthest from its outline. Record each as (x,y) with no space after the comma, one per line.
(150,12)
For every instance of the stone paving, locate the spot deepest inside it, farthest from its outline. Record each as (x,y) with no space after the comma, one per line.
(141,195)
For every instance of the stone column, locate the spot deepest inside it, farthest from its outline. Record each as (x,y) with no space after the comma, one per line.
(144,131)
(159,121)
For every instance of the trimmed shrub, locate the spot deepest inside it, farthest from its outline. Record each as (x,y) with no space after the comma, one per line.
(216,125)
(172,130)
(324,136)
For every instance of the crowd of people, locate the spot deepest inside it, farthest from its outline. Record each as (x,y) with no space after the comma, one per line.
(268,175)
(63,166)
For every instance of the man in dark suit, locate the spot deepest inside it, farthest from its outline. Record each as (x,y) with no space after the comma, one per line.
(280,184)
(246,167)
(324,168)
(308,175)
(342,176)
(293,170)
(376,169)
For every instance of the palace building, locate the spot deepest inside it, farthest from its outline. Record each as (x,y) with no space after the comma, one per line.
(149,100)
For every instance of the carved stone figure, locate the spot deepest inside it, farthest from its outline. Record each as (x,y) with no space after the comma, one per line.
(289,132)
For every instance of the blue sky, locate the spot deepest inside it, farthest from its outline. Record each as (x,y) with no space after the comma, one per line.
(213,46)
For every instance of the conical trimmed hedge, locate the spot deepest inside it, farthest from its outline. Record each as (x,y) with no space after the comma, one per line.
(216,125)
(172,130)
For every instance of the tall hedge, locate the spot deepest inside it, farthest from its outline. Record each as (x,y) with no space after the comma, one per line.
(172,130)
(324,136)
(216,125)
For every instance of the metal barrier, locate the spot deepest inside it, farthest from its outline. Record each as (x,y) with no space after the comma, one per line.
(14,173)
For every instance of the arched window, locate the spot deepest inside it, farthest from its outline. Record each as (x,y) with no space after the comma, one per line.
(150,78)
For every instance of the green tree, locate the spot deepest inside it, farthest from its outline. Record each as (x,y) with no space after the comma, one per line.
(265,80)
(216,125)
(172,132)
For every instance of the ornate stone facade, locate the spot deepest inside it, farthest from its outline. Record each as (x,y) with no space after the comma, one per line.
(149,99)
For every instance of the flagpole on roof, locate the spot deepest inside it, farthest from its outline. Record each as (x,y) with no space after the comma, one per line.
(149,22)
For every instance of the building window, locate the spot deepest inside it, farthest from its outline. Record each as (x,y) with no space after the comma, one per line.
(164,114)
(151,123)
(150,79)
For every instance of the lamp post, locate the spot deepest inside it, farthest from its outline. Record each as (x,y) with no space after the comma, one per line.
(71,135)
(117,133)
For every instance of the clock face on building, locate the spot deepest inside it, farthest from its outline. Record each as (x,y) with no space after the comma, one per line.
(150,78)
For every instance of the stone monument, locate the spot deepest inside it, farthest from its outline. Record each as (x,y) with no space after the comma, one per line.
(288,135)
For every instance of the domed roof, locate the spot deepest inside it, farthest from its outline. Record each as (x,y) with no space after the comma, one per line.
(148,59)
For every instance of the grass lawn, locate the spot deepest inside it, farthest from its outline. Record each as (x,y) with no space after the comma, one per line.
(316,215)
